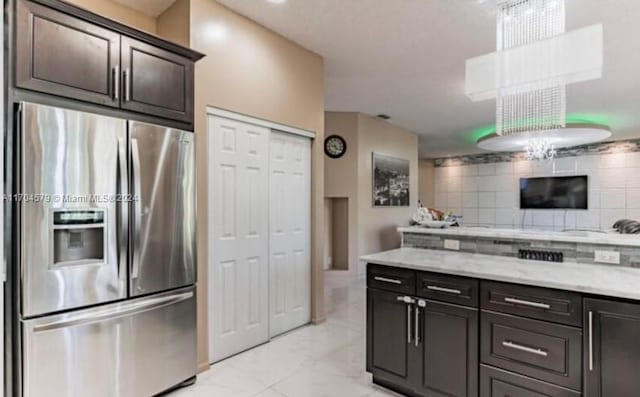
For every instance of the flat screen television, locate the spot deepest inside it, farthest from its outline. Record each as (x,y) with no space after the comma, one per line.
(558,192)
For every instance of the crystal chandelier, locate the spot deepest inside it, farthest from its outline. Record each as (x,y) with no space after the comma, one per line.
(529,72)
(537,105)
(540,149)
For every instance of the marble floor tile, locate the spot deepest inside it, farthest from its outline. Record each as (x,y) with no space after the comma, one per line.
(327,360)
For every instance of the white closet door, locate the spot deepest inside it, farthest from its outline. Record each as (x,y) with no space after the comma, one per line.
(290,231)
(238,237)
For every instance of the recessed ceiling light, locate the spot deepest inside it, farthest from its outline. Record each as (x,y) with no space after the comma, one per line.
(277,1)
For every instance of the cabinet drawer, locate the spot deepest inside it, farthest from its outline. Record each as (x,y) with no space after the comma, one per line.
(545,351)
(539,303)
(458,290)
(498,383)
(391,279)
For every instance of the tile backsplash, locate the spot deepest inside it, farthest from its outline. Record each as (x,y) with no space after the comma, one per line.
(488,194)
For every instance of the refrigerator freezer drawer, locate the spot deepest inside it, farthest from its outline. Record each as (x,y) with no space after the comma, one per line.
(136,348)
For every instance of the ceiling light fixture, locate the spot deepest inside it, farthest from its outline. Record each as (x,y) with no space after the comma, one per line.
(277,1)
(529,72)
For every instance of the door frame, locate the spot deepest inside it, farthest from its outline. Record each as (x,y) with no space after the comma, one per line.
(227,114)
(273,126)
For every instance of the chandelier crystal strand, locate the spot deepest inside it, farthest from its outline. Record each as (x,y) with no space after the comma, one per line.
(536,106)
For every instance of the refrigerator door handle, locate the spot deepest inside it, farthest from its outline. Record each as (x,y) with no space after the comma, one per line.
(115,312)
(137,213)
(123,204)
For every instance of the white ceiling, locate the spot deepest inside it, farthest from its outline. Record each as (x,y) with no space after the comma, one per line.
(152,8)
(406,58)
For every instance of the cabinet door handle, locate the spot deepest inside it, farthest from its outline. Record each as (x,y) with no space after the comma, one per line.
(116,82)
(127,84)
(538,305)
(416,325)
(590,341)
(388,280)
(445,290)
(409,308)
(516,346)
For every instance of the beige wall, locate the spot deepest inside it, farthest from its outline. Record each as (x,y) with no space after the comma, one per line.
(426,183)
(377,226)
(251,70)
(173,23)
(118,12)
(370,229)
(341,174)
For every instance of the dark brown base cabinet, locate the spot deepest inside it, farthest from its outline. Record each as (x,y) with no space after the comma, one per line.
(611,349)
(420,347)
(434,335)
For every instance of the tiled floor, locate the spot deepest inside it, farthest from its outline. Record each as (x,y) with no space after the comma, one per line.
(314,361)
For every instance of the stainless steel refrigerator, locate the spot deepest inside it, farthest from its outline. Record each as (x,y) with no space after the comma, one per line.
(107,255)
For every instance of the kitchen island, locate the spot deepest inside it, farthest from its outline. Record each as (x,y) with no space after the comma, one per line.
(442,323)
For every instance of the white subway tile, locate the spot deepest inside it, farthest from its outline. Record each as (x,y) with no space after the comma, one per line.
(612,178)
(487,183)
(439,187)
(506,200)
(470,200)
(469,183)
(542,218)
(454,184)
(504,217)
(587,163)
(453,171)
(633,198)
(505,168)
(439,172)
(543,168)
(523,168)
(470,216)
(565,165)
(588,219)
(486,200)
(594,199)
(454,200)
(506,182)
(612,199)
(609,217)
(441,201)
(487,169)
(469,170)
(633,160)
(487,217)
(633,213)
(632,177)
(615,160)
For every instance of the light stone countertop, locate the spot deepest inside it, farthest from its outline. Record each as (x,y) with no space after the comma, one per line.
(577,236)
(610,281)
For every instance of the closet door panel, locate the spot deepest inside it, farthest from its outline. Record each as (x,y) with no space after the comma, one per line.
(238,276)
(290,234)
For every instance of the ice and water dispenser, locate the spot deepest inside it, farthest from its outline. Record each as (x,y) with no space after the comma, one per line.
(79,237)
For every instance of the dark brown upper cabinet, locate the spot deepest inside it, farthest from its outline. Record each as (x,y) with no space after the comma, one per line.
(69,52)
(65,56)
(155,81)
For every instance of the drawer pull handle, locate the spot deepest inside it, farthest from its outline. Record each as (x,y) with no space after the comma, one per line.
(388,280)
(511,345)
(445,290)
(590,341)
(528,303)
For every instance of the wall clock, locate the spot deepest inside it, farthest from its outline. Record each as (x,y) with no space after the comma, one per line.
(335,146)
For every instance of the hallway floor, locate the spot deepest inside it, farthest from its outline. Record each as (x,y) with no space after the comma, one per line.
(327,360)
